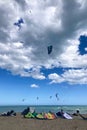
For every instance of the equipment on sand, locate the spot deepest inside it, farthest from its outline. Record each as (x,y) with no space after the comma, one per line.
(50,116)
(67,116)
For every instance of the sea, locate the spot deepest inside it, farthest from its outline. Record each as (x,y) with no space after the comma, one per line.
(46,108)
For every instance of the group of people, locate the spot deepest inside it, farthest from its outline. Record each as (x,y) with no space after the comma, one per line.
(77,113)
(8,113)
(60,113)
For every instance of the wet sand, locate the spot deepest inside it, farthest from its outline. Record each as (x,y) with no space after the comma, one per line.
(20,123)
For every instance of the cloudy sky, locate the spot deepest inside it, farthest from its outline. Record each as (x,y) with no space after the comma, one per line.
(28,74)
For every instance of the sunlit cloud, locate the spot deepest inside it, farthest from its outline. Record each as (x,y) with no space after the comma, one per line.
(59,23)
(34,86)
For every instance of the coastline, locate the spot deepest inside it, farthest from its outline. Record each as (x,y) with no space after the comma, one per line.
(45,108)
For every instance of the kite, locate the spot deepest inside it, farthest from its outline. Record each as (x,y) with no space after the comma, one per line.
(49,48)
(50,97)
(30,11)
(37,98)
(20,21)
(23,100)
(57,96)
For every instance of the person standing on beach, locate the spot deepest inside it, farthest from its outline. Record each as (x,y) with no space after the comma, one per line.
(25,111)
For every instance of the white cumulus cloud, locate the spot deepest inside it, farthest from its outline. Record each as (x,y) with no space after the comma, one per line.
(59,23)
(34,86)
(72,76)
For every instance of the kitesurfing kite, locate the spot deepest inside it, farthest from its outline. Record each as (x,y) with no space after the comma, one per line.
(57,96)
(50,97)
(49,48)
(37,98)
(23,100)
(19,22)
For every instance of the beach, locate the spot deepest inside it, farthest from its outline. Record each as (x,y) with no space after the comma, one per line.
(18,122)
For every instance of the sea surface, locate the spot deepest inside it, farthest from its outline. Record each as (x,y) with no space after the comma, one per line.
(46,108)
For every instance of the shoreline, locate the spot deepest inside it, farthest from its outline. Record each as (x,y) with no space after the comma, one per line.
(45,108)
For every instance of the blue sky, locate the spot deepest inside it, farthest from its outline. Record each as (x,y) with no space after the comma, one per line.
(28,74)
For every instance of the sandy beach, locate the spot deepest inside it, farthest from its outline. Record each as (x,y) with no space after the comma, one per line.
(20,123)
